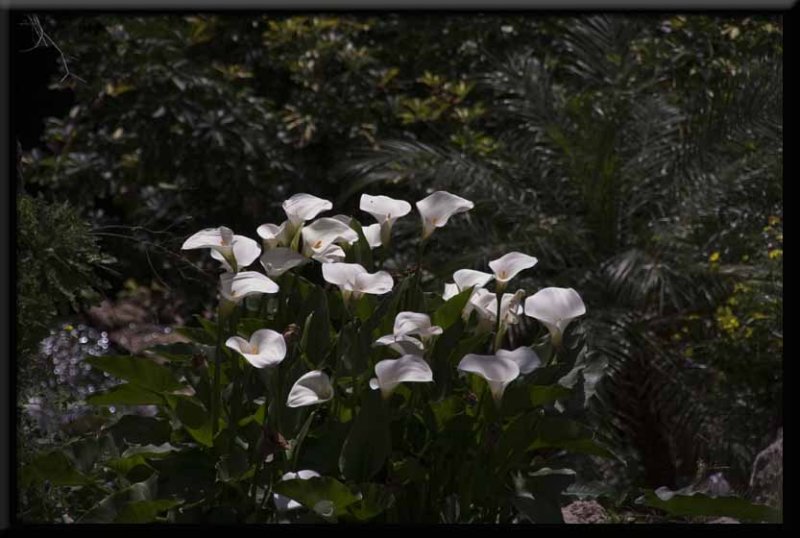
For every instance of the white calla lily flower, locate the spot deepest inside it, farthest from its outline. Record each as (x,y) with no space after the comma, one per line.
(415,323)
(220,239)
(497,371)
(372,233)
(403,344)
(265,348)
(273,236)
(354,280)
(527,360)
(450,291)
(386,211)
(507,267)
(283,503)
(437,209)
(464,279)
(311,389)
(330,254)
(485,303)
(236,286)
(304,207)
(392,372)
(469,278)
(278,260)
(244,252)
(320,234)
(225,246)
(555,308)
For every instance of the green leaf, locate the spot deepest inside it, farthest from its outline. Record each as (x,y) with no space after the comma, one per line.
(194,418)
(144,511)
(556,432)
(699,504)
(311,492)
(54,467)
(451,311)
(368,446)
(545,394)
(316,339)
(176,352)
(198,335)
(375,498)
(140,371)
(538,496)
(126,394)
(138,430)
(110,508)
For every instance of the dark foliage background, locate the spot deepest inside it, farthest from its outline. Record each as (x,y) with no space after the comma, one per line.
(639,157)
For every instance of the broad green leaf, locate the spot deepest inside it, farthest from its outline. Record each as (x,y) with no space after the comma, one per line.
(54,467)
(699,504)
(545,394)
(375,498)
(139,371)
(198,335)
(194,418)
(126,394)
(176,352)
(451,311)
(139,430)
(144,511)
(538,496)
(313,491)
(556,432)
(108,509)
(368,446)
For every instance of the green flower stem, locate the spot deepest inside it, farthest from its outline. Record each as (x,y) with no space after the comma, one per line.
(301,437)
(215,396)
(498,338)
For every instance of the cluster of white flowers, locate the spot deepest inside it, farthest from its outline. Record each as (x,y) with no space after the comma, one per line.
(294,243)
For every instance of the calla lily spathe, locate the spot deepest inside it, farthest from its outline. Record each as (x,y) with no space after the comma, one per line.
(555,308)
(415,323)
(497,371)
(392,372)
(265,348)
(437,209)
(311,389)
(304,207)
(527,360)
(284,504)
(322,233)
(464,279)
(273,236)
(354,280)
(278,260)
(330,254)
(403,344)
(484,303)
(372,234)
(507,267)
(236,286)
(386,211)
(406,326)
(227,247)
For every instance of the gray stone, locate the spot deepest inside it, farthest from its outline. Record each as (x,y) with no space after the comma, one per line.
(766,481)
(583,512)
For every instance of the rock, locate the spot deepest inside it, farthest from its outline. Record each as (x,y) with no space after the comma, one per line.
(584,512)
(766,481)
